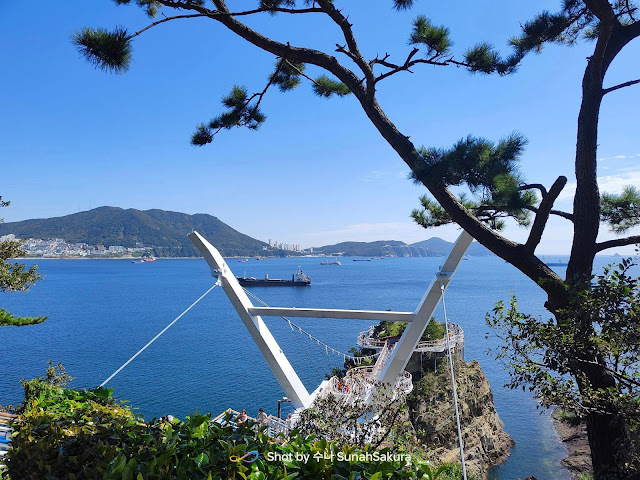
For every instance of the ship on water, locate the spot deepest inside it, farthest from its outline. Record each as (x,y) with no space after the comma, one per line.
(298,279)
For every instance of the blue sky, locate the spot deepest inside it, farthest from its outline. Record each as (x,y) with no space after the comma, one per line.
(73,137)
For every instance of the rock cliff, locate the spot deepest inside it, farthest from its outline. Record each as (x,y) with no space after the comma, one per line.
(432,414)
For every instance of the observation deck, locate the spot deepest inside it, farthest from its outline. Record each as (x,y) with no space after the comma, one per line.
(367,339)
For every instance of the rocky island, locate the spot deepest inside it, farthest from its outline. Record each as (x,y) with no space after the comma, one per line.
(430,409)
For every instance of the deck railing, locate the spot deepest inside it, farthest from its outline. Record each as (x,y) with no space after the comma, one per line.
(367,339)
(359,381)
(274,425)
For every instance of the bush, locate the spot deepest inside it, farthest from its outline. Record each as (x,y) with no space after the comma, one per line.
(70,434)
(434,331)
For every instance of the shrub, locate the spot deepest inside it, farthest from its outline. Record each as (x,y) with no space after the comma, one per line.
(70,434)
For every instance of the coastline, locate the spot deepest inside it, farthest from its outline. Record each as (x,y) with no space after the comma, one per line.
(157,258)
(578,461)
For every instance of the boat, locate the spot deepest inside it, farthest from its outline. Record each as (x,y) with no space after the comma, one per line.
(243,260)
(330,262)
(149,259)
(361,259)
(298,279)
(137,261)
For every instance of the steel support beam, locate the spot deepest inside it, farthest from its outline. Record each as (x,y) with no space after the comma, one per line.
(412,334)
(271,351)
(333,313)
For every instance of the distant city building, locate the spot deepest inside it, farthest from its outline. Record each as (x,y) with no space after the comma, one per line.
(284,246)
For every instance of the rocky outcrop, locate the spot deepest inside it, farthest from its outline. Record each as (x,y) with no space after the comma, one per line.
(432,415)
(574,435)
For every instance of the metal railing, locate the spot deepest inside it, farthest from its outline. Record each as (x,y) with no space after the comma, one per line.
(274,425)
(367,339)
(359,381)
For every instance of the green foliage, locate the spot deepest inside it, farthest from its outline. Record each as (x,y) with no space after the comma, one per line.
(488,169)
(55,377)
(568,416)
(435,38)
(402,4)
(242,111)
(324,86)
(7,319)
(453,471)
(621,212)
(274,4)
(434,330)
(74,434)
(563,27)
(15,277)
(433,215)
(106,50)
(601,325)
(287,74)
(152,7)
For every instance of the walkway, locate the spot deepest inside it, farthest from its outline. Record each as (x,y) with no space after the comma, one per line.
(367,339)
(275,425)
(359,381)
(5,432)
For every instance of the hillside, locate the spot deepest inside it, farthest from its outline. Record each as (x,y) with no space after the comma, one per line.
(441,247)
(433,247)
(381,248)
(165,232)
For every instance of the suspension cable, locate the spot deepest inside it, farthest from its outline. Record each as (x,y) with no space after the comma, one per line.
(293,326)
(157,336)
(453,385)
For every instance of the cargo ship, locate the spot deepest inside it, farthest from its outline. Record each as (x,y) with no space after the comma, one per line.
(298,279)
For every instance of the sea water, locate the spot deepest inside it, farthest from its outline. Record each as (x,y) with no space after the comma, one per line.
(101,312)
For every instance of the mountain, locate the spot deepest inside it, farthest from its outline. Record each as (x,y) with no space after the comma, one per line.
(433,247)
(440,247)
(381,248)
(165,232)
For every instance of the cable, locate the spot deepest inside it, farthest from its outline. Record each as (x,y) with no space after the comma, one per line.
(157,336)
(356,360)
(453,385)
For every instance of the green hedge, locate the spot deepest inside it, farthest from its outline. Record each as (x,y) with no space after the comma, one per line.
(69,434)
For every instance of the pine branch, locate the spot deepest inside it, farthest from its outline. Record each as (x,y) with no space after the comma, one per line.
(618,242)
(630,11)
(622,85)
(300,72)
(178,5)
(601,9)
(347,33)
(540,222)
(166,19)
(292,53)
(539,186)
(533,209)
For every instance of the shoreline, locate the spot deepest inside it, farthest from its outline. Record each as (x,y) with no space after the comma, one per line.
(138,258)
(578,459)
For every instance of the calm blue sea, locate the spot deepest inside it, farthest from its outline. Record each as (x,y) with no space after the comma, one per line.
(102,311)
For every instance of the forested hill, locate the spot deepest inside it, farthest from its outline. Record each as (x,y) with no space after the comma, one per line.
(440,247)
(165,232)
(433,247)
(381,248)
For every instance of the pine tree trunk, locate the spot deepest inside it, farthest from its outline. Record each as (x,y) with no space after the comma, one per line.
(607,432)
